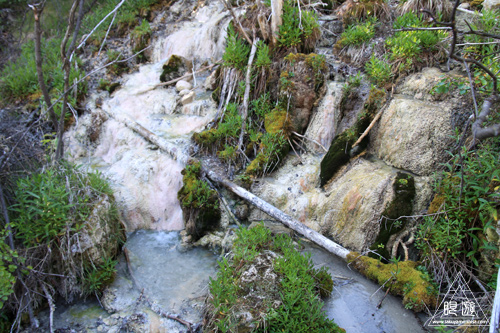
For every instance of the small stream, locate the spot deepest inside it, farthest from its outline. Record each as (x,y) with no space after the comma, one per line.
(163,275)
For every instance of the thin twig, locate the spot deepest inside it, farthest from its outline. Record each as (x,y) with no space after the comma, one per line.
(107,33)
(98,24)
(244,111)
(312,140)
(367,130)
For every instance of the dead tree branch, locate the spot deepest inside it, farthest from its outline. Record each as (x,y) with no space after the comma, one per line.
(244,111)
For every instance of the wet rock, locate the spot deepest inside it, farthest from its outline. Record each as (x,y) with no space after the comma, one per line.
(301,80)
(414,135)
(183,85)
(174,68)
(211,81)
(322,127)
(188,98)
(241,212)
(184,92)
(98,238)
(491,4)
(349,208)
(417,128)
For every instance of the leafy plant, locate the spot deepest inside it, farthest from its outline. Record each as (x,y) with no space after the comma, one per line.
(56,198)
(465,202)
(299,30)
(300,308)
(237,50)
(19,78)
(379,70)
(411,49)
(96,278)
(357,34)
(263,58)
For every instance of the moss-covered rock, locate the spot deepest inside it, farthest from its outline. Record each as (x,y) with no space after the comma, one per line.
(267,285)
(277,121)
(200,204)
(175,67)
(402,278)
(301,81)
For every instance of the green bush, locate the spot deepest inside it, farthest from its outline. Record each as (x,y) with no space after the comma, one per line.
(379,70)
(263,58)
(54,199)
(357,34)
(466,205)
(298,31)
(19,78)
(237,50)
(298,290)
(409,48)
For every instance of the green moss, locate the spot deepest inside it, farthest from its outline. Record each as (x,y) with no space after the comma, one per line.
(172,66)
(277,121)
(336,157)
(324,283)
(108,86)
(256,166)
(402,205)
(199,202)
(206,138)
(405,280)
(339,152)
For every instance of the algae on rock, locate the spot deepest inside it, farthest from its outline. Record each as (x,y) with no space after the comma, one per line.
(199,202)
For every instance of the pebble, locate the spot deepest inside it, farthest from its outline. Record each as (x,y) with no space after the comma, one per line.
(182,85)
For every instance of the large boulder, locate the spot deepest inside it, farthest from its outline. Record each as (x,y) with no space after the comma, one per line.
(415,130)
(349,209)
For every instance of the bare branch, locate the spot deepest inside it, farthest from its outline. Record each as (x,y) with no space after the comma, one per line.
(478,131)
(98,24)
(244,111)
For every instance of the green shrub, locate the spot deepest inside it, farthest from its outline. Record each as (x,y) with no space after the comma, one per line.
(409,48)
(8,258)
(297,292)
(237,50)
(263,58)
(19,78)
(466,206)
(96,278)
(299,32)
(379,70)
(357,34)
(54,199)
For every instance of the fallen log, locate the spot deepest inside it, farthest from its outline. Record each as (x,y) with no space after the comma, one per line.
(279,215)
(267,208)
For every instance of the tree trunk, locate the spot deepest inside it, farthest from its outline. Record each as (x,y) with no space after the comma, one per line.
(38,60)
(66,57)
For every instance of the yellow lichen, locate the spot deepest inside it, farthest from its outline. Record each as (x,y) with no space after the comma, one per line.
(277,121)
(402,278)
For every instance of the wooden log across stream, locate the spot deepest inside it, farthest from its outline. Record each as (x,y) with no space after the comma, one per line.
(264,206)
